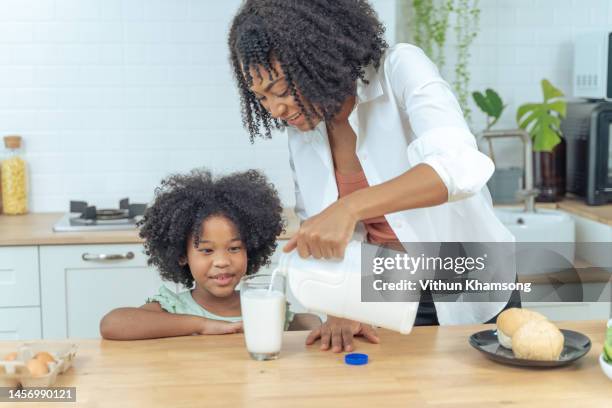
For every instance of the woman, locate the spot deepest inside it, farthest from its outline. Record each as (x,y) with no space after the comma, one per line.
(378,143)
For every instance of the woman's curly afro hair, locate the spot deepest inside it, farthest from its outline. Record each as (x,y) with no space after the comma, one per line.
(322,47)
(182,204)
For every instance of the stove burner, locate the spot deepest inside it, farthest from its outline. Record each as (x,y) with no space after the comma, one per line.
(90,212)
(111,214)
(84,217)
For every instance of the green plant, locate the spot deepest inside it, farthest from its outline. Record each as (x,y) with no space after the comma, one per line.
(543,120)
(428,21)
(429,27)
(466,28)
(491,104)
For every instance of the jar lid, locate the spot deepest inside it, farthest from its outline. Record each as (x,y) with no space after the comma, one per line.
(12,142)
(356,359)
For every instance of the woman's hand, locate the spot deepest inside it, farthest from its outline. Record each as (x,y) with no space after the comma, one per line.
(339,334)
(209,326)
(325,235)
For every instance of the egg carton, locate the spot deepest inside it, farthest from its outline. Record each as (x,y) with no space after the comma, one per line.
(13,373)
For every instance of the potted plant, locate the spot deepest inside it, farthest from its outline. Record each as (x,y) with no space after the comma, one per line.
(543,122)
(491,104)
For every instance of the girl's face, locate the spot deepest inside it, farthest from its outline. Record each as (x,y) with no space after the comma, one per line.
(220,260)
(274,95)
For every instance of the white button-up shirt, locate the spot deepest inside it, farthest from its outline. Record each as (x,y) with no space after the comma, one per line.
(407,115)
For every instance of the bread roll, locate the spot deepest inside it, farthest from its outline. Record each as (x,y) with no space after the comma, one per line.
(538,340)
(510,320)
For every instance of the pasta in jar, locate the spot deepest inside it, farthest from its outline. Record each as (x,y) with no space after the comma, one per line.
(14,179)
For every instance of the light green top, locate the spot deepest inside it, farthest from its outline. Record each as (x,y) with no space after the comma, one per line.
(183,303)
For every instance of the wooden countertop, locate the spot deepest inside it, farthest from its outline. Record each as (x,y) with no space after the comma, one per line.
(601,213)
(433,367)
(577,206)
(37,229)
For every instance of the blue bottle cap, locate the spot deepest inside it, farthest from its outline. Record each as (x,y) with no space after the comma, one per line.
(356,359)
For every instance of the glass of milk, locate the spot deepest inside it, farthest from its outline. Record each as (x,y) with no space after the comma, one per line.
(263,314)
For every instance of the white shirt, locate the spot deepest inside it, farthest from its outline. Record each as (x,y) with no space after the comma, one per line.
(408,115)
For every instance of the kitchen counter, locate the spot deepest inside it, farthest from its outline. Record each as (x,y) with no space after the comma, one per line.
(577,206)
(601,213)
(433,367)
(37,229)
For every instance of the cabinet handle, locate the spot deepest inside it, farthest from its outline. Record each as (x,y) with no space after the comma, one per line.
(107,257)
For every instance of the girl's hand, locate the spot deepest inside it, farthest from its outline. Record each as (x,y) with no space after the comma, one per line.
(209,326)
(339,333)
(325,235)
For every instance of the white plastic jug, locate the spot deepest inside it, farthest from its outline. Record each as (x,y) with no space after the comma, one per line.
(334,287)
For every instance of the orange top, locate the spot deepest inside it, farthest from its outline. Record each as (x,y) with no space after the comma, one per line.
(379,230)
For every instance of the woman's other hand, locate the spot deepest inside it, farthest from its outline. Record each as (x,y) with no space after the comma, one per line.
(325,235)
(338,333)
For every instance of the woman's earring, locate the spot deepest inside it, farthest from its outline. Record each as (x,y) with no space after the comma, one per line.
(182,261)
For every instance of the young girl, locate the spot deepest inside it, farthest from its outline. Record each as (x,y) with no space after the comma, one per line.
(205,234)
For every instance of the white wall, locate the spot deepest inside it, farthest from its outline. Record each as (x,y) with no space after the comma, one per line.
(111,95)
(519,43)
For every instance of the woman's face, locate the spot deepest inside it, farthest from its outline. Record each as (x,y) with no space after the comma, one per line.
(274,95)
(220,260)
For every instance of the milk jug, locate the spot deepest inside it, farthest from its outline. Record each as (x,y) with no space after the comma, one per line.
(334,287)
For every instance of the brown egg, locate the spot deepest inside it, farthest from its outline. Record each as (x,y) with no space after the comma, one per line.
(37,367)
(44,357)
(10,356)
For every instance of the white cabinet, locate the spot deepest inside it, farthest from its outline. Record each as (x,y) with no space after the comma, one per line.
(587,231)
(20,323)
(81,283)
(19,276)
(19,293)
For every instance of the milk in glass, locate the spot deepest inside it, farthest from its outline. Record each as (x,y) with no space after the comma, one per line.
(263,315)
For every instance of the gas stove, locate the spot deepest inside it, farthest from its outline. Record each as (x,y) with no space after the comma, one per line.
(85,217)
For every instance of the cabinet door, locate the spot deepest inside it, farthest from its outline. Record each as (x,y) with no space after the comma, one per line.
(20,323)
(81,283)
(19,276)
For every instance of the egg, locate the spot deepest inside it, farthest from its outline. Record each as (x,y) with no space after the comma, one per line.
(37,368)
(10,356)
(44,357)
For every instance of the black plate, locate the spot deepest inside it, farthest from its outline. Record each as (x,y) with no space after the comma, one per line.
(576,345)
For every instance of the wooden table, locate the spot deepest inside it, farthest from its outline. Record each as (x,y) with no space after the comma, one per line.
(433,367)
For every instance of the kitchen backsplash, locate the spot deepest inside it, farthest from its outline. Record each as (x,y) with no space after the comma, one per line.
(519,43)
(111,95)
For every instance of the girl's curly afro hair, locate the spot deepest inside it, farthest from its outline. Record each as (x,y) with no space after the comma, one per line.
(183,202)
(322,47)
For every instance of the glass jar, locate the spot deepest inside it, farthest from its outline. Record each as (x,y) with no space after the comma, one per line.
(550,173)
(14,178)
